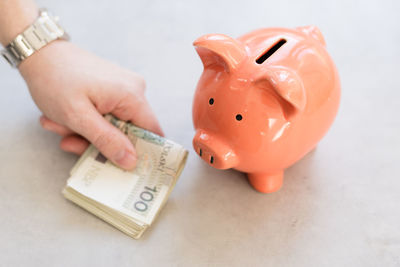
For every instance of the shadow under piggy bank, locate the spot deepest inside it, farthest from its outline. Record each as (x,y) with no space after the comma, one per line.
(219,215)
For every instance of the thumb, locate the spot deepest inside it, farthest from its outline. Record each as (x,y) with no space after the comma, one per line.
(110,141)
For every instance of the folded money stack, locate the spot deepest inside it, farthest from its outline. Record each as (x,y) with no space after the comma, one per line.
(129,200)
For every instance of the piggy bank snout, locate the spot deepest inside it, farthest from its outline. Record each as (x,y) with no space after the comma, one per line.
(214,151)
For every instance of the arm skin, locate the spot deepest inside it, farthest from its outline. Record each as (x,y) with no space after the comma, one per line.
(15,16)
(74,88)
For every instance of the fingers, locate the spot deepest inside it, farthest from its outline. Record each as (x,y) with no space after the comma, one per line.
(127,102)
(54,127)
(70,141)
(74,144)
(146,119)
(138,111)
(111,142)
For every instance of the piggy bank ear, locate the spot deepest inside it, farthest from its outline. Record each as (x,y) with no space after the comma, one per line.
(287,87)
(221,50)
(313,32)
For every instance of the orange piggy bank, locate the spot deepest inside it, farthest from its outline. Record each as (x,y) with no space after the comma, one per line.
(264,100)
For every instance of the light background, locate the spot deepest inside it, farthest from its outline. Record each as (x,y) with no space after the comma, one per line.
(340,205)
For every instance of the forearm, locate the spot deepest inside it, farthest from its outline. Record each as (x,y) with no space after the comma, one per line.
(15,17)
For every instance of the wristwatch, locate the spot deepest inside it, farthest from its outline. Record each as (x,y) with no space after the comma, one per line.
(44,30)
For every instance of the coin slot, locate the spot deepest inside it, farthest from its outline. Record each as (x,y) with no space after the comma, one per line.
(212,160)
(270,51)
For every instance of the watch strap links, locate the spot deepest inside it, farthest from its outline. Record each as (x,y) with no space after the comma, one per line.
(44,30)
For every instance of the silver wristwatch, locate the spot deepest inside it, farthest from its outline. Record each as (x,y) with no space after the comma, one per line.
(44,30)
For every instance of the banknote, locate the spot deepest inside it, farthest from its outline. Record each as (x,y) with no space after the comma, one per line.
(129,200)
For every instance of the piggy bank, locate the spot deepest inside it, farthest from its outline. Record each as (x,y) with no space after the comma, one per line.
(263,101)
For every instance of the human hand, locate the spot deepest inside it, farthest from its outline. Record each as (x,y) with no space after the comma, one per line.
(74,88)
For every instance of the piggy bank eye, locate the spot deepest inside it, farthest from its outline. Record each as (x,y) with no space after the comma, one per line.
(211,101)
(239,117)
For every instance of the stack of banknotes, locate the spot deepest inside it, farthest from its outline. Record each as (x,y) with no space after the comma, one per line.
(128,200)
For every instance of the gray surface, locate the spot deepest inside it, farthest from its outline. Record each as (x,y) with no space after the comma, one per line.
(340,206)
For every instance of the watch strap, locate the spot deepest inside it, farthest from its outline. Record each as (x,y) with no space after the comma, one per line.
(43,31)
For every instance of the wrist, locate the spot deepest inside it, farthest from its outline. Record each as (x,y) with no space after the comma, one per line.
(42,59)
(43,31)
(16,20)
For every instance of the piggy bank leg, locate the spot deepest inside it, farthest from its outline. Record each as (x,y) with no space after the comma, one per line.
(266,182)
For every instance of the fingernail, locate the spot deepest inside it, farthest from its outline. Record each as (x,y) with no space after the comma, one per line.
(125,159)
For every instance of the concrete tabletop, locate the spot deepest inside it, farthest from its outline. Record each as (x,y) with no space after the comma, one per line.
(339,206)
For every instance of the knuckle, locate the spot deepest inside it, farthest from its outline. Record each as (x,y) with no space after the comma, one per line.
(103,140)
(72,118)
(140,81)
(137,84)
(73,114)
(141,101)
(138,100)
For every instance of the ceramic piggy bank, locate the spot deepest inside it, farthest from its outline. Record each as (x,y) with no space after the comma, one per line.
(264,100)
